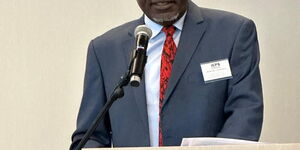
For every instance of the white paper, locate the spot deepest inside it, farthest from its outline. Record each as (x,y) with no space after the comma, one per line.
(207,141)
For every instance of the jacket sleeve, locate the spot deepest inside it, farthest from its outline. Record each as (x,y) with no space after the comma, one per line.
(93,100)
(244,107)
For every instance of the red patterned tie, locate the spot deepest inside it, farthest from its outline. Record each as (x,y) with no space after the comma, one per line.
(167,58)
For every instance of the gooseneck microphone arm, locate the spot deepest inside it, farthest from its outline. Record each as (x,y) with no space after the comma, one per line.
(117,93)
(135,69)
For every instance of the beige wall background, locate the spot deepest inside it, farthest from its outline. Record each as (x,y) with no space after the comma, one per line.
(43,49)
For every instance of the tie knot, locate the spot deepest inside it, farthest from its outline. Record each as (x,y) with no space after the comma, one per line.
(169,31)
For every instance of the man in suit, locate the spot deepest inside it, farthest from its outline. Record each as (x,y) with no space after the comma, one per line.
(212,89)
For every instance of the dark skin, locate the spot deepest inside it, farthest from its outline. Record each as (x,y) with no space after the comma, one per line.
(164,12)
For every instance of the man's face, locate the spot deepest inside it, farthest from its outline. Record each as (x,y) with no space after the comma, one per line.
(163,12)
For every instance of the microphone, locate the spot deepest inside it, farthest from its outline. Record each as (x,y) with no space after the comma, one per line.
(138,60)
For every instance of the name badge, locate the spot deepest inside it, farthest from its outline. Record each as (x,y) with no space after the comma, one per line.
(216,70)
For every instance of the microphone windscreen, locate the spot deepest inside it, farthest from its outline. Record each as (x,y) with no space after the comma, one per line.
(143,29)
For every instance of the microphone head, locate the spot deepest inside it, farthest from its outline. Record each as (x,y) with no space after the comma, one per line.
(143,29)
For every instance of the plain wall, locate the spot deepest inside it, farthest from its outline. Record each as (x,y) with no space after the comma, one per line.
(42,61)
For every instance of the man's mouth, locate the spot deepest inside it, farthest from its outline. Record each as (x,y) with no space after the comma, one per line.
(161,5)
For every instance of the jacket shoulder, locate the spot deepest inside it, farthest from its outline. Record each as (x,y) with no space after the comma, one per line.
(118,33)
(221,16)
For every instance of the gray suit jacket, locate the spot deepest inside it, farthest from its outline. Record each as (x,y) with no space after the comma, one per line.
(230,108)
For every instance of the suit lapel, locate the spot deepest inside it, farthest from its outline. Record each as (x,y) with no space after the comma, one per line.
(139,92)
(193,29)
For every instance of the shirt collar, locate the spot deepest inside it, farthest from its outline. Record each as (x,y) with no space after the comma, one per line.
(156,28)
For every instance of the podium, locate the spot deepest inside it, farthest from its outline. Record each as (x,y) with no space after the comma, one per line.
(290,146)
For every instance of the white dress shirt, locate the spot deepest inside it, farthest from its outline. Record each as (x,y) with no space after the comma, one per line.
(152,73)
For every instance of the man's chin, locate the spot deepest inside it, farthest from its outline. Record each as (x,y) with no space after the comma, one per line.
(166,18)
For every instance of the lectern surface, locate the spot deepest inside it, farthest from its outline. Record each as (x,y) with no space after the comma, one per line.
(224,147)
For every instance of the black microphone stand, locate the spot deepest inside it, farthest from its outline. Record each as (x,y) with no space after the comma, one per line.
(116,94)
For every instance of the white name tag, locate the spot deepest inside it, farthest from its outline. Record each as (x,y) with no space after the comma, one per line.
(216,70)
